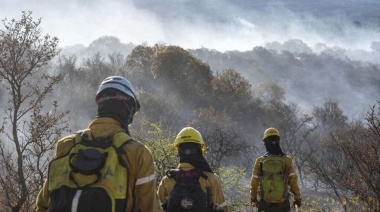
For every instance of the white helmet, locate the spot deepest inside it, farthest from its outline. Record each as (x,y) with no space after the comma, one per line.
(121,84)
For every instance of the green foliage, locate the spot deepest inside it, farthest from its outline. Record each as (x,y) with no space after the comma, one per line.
(161,145)
(235,187)
(326,203)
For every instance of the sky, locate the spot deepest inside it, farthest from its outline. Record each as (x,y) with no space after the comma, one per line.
(215,24)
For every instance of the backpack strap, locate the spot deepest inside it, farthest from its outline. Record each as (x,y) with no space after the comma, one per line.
(82,135)
(120,140)
(200,171)
(260,175)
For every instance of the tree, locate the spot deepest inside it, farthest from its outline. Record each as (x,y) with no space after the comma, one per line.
(326,119)
(107,45)
(347,162)
(75,90)
(140,60)
(269,92)
(222,137)
(231,92)
(297,46)
(117,63)
(295,137)
(29,125)
(95,69)
(329,116)
(184,74)
(67,68)
(361,148)
(161,108)
(139,66)
(321,166)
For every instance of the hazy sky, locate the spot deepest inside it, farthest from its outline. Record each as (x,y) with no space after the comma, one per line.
(215,24)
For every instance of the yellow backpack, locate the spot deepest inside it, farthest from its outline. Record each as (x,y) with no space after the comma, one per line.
(273,177)
(92,176)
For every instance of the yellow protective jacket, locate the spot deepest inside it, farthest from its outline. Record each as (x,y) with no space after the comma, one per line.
(167,185)
(293,184)
(142,194)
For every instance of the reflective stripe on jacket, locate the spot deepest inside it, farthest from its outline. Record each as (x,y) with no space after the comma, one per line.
(167,185)
(142,194)
(293,182)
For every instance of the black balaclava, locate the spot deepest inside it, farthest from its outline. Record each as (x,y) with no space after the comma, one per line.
(116,109)
(272,144)
(191,153)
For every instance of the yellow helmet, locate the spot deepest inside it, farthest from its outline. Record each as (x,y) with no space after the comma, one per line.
(189,134)
(271,131)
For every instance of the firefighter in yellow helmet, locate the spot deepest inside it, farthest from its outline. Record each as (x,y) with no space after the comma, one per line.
(273,175)
(193,166)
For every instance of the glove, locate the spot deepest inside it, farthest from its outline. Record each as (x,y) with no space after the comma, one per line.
(297,202)
(164,206)
(254,201)
(217,208)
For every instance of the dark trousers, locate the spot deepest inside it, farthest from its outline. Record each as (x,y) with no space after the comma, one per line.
(274,207)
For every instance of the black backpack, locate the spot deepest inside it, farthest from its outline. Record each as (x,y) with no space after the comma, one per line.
(187,194)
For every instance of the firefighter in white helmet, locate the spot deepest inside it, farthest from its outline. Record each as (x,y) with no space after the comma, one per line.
(117,105)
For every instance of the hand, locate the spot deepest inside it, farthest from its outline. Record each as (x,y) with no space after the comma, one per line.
(217,208)
(297,202)
(164,206)
(254,201)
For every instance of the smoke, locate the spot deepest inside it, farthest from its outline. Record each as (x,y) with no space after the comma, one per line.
(338,29)
(222,25)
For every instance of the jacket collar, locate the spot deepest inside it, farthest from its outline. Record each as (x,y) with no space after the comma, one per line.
(268,154)
(185,166)
(103,120)
(103,127)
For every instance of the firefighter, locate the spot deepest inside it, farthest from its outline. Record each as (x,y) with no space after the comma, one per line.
(273,174)
(117,105)
(190,147)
